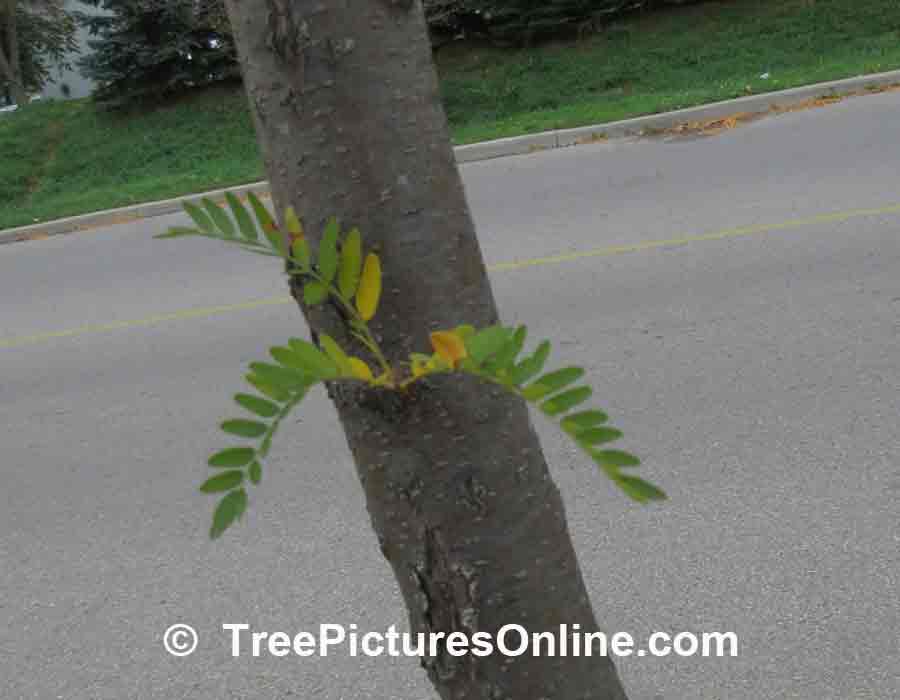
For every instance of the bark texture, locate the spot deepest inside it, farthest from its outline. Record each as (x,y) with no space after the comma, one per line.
(347,109)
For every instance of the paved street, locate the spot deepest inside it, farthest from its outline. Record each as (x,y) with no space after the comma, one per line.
(736,302)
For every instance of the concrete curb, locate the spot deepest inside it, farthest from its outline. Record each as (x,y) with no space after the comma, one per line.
(640,126)
(122,215)
(517,145)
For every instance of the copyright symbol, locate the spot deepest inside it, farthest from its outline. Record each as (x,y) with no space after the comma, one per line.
(180,640)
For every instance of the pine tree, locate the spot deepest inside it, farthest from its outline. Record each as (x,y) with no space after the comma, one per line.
(146,50)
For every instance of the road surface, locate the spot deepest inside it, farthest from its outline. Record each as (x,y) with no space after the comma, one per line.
(735,300)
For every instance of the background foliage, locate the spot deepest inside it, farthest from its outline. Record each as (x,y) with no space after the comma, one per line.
(520,22)
(69,157)
(151,48)
(145,50)
(46,35)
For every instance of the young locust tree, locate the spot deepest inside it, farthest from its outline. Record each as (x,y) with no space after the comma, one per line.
(348,115)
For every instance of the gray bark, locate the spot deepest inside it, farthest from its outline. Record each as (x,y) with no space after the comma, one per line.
(349,118)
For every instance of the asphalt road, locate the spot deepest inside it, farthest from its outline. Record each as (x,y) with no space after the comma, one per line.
(753,361)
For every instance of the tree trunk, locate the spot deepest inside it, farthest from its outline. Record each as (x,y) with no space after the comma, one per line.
(10,66)
(348,114)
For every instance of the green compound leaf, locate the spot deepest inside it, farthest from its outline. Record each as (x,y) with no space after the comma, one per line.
(263,217)
(350,264)
(639,490)
(244,428)
(286,377)
(267,224)
(180,232)
(506,355)
(312,359)
(590,437)
(199,217)
(256,248)
(497,349)
(615,458)
(277,241)
(568,399)
(230,509)
(283,356)
(314,293)
(336,354)
(577,422)
(484,343)
(300,254)
(552,382)
(328,257)
(257,405)
(273,391)
(233,457)
(223,482)
(243,218)
(531,366)
(220,218)
(490,353)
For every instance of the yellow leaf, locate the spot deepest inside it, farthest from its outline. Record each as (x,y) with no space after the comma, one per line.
(449,346)
(337,355)
(351,263)
(384,379)
(369,291)
(300,252)
(361,370)
(294,227)
(419,364)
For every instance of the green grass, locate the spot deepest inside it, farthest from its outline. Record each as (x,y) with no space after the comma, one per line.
(661,61)
(64,158)
(60,159)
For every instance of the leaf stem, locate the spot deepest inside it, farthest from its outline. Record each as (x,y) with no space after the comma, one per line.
(365,334)
(289,406)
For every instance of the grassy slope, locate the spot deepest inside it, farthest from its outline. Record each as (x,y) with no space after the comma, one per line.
(668,60)
(66,158)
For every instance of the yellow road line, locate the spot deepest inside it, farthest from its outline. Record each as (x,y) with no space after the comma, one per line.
(683,240)
(149,321)
(499,267)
